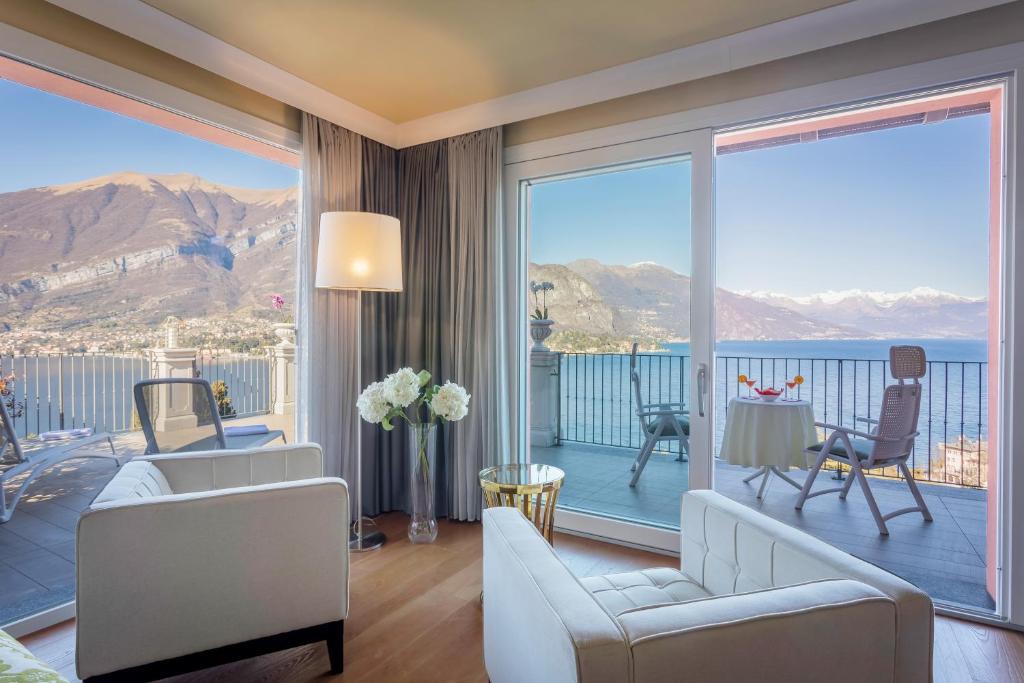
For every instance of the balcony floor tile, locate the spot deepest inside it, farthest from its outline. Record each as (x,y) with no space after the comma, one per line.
(945,557)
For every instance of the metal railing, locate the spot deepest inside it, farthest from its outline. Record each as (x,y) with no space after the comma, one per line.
(71,390)
(247,375)
(597,404)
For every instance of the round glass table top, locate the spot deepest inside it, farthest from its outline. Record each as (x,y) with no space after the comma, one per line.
(520,478)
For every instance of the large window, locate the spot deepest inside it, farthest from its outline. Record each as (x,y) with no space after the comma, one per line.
(836,236)
(844,234)
(610,263)
(125,230)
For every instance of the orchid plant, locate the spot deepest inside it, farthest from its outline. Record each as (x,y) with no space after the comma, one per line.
(15,408)
(278,303)
(540,311)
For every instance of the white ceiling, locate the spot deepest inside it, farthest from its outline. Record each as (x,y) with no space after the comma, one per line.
(407,71)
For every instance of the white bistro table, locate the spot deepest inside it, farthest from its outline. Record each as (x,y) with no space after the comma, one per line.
(769,436)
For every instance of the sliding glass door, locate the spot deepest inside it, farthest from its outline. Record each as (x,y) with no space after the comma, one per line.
(617,271)
(902,200)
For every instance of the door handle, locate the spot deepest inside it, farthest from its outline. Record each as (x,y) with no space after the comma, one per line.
(702,388)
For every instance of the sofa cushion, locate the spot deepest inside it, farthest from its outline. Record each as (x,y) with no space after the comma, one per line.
(620,593)
(137,479)
(18,664)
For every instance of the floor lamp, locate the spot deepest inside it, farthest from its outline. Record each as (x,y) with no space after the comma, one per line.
(362,252)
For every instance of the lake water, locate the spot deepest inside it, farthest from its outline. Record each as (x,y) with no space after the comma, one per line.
(844,380)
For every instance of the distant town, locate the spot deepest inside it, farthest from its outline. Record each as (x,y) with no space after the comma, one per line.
(239,333)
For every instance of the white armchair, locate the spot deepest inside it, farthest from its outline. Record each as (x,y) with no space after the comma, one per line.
(190,560)
(753,600)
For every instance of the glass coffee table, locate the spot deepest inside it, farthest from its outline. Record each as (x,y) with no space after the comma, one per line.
(532,489)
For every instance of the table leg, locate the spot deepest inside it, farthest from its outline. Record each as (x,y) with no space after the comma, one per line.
(763,470)
(792,482)
(764,482)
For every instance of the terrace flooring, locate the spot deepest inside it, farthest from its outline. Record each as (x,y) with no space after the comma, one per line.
(37,546)
(945,557)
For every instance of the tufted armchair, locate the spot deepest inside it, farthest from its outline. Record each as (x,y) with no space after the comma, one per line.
(753,600)
(189,560)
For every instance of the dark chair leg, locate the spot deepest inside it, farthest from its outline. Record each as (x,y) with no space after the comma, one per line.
(336,646)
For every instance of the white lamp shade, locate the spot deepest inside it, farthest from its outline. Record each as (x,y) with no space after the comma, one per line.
(359,250)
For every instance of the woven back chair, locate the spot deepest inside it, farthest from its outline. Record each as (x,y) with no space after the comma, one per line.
(658,422)
(890,443)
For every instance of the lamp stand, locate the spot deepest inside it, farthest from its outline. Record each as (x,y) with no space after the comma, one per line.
(359,542)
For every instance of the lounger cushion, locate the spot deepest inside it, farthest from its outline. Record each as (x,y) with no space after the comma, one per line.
(861,446)
(620,593)
(137,479)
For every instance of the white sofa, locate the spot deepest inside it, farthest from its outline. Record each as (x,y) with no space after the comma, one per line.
(190,560)
(755,600)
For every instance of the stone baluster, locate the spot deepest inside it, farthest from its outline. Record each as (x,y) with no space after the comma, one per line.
(543,398)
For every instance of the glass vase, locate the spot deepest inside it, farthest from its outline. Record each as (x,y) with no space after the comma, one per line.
(422,447)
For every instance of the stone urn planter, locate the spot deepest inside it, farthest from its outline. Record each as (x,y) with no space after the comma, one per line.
(539,331)
(285,332)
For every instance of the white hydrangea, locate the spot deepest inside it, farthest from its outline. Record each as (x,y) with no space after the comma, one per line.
(401,388)
(451,402)
(373,404)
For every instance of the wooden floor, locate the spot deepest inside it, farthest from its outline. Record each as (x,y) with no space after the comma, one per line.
(415,616)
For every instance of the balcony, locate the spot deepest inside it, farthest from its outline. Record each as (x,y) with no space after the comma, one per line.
(599,437)
(63,391)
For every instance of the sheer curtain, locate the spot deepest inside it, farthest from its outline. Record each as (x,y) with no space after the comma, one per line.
(451,319)
(332,159)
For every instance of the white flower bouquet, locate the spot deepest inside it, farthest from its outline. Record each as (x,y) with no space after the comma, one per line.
(407,394)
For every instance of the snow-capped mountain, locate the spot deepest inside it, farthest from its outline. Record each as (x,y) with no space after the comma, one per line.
(922,312)
(648,301)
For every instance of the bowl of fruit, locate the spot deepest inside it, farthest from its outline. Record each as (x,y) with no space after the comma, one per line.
(769,394)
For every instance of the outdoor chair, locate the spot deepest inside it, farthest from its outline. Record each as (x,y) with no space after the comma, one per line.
(889,444)
(34,457)
(658,422)
(180,414)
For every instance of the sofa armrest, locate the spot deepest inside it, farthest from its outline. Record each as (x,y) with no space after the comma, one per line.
(540,623)
(835,630)
(790,556)
(166,576)
(220,469)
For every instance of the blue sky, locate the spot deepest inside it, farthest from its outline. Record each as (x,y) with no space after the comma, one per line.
(889,210)
(50,140)
(640,214)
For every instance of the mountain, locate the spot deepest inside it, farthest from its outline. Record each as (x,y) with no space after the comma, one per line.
(135,248)
(125,251)
(922,312)
(649,302)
